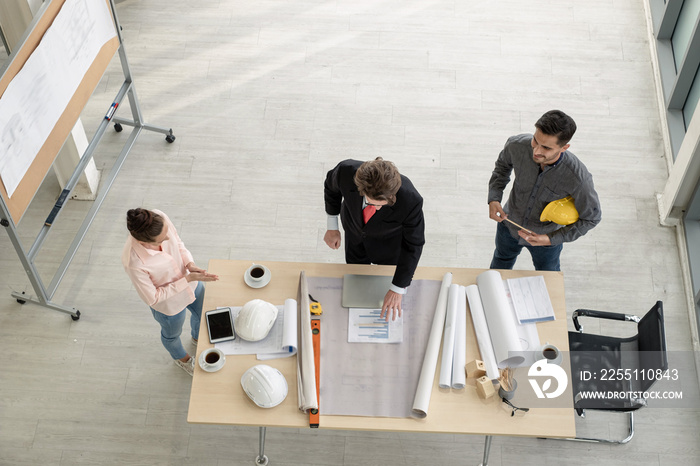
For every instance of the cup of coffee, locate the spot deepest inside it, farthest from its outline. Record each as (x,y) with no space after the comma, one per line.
(256,272)
(212,359)
(551,353)
(257,276)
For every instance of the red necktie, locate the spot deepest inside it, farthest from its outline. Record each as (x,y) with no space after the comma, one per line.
(367,212)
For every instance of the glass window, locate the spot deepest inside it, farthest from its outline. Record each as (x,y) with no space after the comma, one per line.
(684,29)
(692,101)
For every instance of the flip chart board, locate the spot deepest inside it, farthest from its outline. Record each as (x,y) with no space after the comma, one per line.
(18,195)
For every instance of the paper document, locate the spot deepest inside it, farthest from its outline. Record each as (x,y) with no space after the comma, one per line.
(281,342)
(37,96)
(530,299)
(360,379)
(367,326)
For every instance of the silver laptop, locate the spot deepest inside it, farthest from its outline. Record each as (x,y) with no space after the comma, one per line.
(365,291)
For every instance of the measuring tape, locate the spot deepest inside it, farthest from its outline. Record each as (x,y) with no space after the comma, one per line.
(316,338)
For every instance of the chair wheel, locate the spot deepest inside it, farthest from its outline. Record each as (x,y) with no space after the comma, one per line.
(76,316)
(170,138)
(21,301)
(118,127)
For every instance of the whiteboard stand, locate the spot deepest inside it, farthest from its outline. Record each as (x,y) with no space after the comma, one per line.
(44,294)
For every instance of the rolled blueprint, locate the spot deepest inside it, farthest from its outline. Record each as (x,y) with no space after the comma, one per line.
(306,371)
(427,373)
(500,319)
(290,333)
(481,329)
(448,340)
(460,353)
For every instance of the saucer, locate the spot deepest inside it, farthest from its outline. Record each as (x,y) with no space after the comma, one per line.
(264,281)
(210,367)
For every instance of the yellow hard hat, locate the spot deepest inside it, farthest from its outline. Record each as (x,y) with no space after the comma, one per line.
(561,211)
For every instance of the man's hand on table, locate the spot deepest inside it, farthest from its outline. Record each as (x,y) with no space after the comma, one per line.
(391,306)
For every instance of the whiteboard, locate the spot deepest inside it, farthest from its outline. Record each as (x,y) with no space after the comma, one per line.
(45,88)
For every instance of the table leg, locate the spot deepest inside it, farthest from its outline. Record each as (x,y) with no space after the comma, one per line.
(261,460)
(487,450)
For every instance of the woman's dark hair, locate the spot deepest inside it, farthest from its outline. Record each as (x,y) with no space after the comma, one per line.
(144,225)
(378,179)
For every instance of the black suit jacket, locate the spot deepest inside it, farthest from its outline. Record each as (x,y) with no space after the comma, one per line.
(393,236)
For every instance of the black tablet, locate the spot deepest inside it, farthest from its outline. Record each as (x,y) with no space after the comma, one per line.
(220,325)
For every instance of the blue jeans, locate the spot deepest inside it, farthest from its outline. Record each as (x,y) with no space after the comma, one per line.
(171,326)
(508,249)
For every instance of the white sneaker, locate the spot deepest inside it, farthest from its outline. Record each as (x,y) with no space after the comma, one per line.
(186,366)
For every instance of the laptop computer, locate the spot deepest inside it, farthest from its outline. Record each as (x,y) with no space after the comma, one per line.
(365,291)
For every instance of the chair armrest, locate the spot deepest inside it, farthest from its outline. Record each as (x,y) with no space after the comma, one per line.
(600,315)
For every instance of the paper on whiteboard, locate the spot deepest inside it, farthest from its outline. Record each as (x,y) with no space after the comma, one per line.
(367,326)
(39,93)
(281,342)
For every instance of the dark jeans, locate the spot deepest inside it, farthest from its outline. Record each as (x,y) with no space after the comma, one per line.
(508,249)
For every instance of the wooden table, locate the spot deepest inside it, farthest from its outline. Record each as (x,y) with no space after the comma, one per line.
(217,398)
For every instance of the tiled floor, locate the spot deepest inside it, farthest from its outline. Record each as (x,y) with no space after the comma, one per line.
(264,97)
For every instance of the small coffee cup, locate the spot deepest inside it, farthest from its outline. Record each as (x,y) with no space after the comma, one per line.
(551,353)
(212,359)
(256,272)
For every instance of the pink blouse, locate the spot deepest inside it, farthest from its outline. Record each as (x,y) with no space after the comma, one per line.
(159,276)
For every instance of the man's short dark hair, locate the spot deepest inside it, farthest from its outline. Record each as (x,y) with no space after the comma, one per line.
(559,124)
(378,179)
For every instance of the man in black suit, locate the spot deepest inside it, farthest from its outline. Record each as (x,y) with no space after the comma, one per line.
(382,215)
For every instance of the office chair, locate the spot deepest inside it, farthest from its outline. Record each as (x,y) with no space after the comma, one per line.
(596,361)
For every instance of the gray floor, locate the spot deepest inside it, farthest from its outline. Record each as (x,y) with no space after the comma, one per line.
(264,98)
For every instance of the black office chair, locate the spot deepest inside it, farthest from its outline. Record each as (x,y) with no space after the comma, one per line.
(595,360)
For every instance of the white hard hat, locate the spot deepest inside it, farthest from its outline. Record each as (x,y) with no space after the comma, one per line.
(255,320)
(265,385)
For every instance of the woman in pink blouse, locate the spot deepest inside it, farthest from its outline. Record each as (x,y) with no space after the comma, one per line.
(166,278)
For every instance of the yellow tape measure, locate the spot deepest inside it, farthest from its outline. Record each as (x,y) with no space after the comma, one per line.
(315,307)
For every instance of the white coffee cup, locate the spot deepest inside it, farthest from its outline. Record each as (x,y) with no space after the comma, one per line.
(212,359)
(256,272)
(551,353)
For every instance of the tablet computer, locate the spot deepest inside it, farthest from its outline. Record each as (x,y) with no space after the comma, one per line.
(220,325)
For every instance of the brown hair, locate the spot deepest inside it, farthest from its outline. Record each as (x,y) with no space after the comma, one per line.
(144,225)
(378,179)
